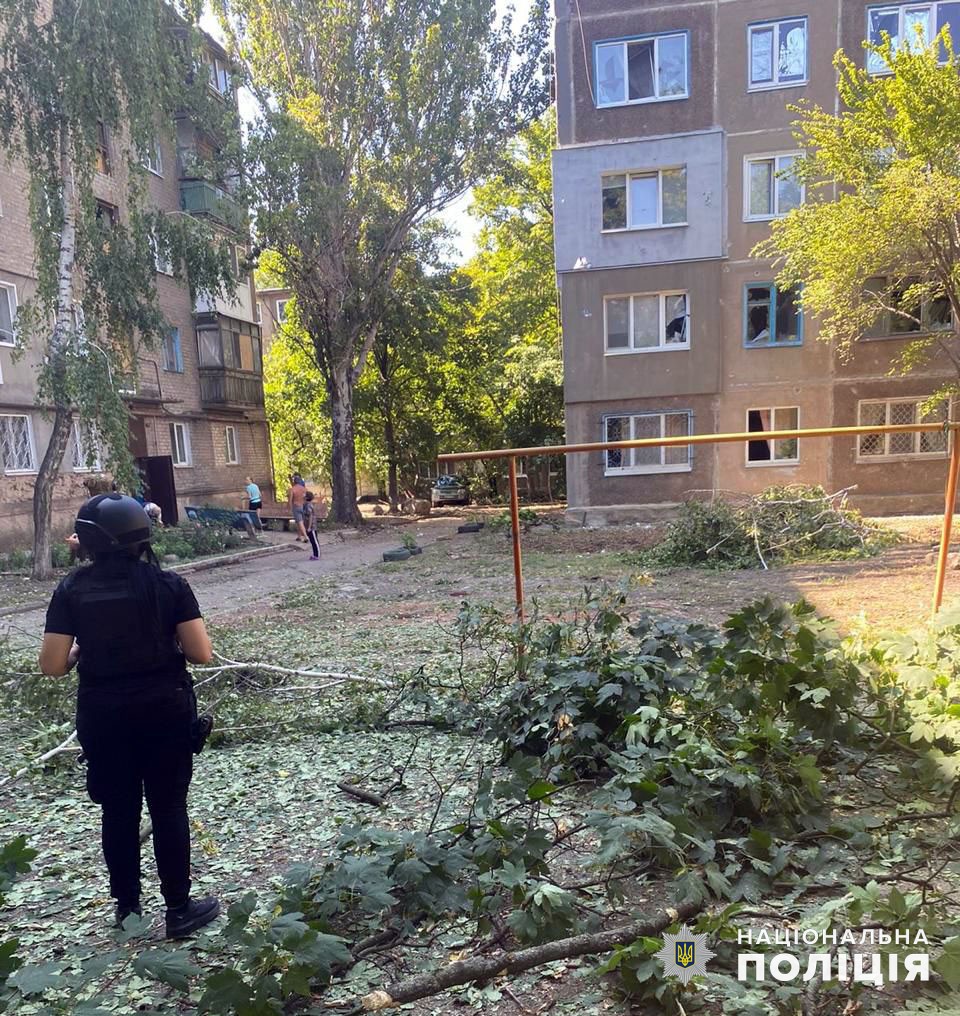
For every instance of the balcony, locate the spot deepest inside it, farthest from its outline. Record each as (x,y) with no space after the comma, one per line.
(223,387)
(199,197)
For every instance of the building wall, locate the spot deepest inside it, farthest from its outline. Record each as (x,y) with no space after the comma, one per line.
(163,396)
(719,379)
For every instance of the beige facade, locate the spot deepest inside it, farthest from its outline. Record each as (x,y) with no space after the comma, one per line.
(666,112)
(197,425)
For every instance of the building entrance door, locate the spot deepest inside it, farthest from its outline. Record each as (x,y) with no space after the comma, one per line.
(159,486)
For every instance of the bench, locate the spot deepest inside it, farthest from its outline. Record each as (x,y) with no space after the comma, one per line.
(283,521)
(230,518)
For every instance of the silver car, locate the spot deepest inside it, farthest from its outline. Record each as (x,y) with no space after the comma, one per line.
(449,490)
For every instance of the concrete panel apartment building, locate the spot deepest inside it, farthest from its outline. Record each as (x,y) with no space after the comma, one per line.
(674,147)
(197,425)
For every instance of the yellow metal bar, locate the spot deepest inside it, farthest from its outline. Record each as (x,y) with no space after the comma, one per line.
(695,439)
(950,500)
(515,526)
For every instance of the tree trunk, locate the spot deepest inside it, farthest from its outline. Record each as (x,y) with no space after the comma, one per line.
(344,459)
(390,443)
(53,457)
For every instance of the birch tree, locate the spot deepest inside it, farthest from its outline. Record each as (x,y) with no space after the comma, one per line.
(73,72)
(373,118)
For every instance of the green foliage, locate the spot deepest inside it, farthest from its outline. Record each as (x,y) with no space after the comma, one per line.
(188,540)
(782,524)
(883,195)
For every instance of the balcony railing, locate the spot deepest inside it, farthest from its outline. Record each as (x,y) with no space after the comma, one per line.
(220,386)
(199,197)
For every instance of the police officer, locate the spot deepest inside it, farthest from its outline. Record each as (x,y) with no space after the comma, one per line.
(132,628)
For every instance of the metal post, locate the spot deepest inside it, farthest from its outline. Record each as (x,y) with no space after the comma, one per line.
(515,527)
(950,500)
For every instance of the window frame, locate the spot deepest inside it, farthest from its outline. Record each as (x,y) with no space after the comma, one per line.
(663,346)
(887,455)
(925,330)
(629,174)
(775,158)
(13,304)
(174,445)
(80,461)
(258,312)
(773,460)
(625,41)
(634,470)
(102,160)
(177,367)
(282,314)
(147,160)
(227,431)
(32,444)
(901,9)
(770,343)
(765,86)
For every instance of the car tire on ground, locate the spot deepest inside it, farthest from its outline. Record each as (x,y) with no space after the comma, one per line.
(470,527)
(400,554)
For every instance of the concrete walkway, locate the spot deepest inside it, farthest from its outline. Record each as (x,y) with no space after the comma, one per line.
(260,580)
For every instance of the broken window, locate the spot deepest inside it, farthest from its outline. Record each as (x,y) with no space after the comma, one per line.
(778,53)
(655,459)
(771,186)
(641,70)
(646,322)
(644,200)
(762,421)
(772,317)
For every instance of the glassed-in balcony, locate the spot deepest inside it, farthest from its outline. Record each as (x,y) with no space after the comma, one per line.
(231,366)
(200,197)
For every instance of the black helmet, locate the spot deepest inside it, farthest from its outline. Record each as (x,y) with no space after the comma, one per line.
(110,522)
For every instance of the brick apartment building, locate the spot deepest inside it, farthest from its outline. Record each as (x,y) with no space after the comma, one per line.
(197,425)
(673,128)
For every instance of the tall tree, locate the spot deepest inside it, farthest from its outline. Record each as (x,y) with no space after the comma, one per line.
(373,117)
(879,235)
(71,73)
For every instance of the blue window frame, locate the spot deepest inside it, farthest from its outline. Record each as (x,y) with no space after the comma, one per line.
(172,353)
(635,426)
(771,316)
(642,68)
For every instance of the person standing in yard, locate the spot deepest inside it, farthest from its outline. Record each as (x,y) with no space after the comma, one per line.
(309,524)
(254,497)
(132,628)
(296,497)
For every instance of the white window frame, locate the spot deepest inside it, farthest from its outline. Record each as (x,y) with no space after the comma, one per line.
(11,295)
(887,455)
(161,261)
(902,9)
(774,157)
(630,174)
(656,39)
(887,317)
(282,311)
(663,346)
(663,466)
(761,26)
(152,157)
(79,452)
(259,312)
(774,460)
(229,430)
(32,443)
(184,430)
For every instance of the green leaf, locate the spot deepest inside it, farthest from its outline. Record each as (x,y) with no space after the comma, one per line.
(225,991)
(35,978)
(9,961)
(947,964)
(540,789)
(173,968)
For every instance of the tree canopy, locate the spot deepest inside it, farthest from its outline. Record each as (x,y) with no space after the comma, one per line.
(373,119)
(877,243)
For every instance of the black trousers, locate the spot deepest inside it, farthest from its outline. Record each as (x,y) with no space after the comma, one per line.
(136,737)
(314,542)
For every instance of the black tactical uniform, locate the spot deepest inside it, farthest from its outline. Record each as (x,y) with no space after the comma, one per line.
(136,709)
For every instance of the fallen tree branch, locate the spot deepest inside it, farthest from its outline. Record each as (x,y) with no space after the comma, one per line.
(482,968)
(367,796)
(65,746)
(225,665)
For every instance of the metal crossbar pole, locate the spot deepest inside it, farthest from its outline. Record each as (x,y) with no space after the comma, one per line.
(950,492)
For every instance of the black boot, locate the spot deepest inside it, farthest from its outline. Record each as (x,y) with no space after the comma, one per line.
(193,915)
(123,911)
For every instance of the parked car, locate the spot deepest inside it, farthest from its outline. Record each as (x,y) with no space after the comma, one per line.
(449,490)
